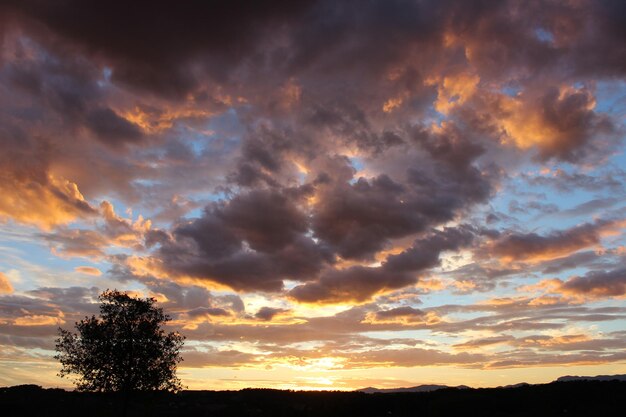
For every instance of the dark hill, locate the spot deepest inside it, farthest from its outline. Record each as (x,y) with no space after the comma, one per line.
(576,398)
(592,378)
(418,388)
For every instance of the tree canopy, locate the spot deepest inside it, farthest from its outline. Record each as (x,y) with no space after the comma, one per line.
(123,349)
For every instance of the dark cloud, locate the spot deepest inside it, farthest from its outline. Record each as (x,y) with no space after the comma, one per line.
(557,123)
(589,207)
(27,342)
(598,284)
(33,320)
(569,115)
(111,128)
(358,218)
(192,300)
(399,312)
(481,276)
(515,207)
(576,260)
(479,343)
(425,251)
(361,217)
(267,313)
(359,283)
(145,51)
(531,246)
(207,312)
(564,181)
(355,284)
(254,241)
(142,49)
(76,299)
(76,242)
(267,221)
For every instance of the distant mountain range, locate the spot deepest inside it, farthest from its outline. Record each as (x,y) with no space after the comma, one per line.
(432,387)
(418,388)
(569,378)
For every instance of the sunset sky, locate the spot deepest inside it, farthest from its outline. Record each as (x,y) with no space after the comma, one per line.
(322,194)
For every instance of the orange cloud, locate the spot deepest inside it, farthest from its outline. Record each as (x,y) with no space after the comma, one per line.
(121,231)
(46,203)
(38,320)
(559,121)
(454,91)
(154,121)
(5,284)
(392,104)
(89,270)
(403,315)
(545,341)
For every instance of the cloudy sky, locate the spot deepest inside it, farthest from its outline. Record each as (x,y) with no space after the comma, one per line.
(322,194)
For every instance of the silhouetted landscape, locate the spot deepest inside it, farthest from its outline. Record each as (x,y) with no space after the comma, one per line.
(580,397)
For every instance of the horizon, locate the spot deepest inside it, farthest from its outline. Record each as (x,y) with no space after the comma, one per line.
(323,195)
(363,389)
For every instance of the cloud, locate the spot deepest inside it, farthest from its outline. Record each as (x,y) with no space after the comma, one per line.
(208,249)
(217,358)
(111,231)
(544,343)
(25,317)
(413,357)
(247,217)
(162,63)
(541,360)
(268,313)
(564,181)
(112,129)
(121,231)
(355,284)
(89,270)
(531,247)
(560,123)
(203,312)
(597,284)
(44,201)
(403,315)
(81,300)
(516,208)
(484,342)
(575,260)
(358,220)
(359,283)
(399,312)
(590,206)
(5,284)
(76,242)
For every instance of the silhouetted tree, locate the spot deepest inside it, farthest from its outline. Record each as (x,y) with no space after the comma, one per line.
(124,349)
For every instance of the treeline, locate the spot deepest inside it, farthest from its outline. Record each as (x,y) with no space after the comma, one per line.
(577,398)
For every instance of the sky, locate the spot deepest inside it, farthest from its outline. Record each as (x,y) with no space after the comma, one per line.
(321,194)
